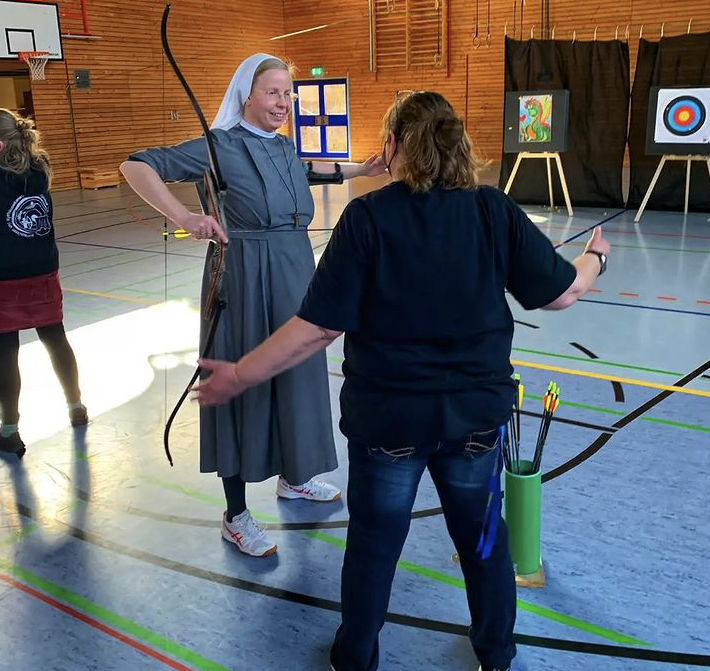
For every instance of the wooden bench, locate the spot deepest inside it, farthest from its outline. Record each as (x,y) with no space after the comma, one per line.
(97,178)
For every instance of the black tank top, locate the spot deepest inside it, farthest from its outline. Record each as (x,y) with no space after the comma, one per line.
(27,245)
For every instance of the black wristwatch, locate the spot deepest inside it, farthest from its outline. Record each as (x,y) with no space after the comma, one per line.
(602,259)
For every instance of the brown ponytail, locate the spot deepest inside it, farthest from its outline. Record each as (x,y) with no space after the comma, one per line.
(22,146)
(433,146)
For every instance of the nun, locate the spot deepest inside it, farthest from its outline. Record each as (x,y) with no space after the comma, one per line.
(283,427)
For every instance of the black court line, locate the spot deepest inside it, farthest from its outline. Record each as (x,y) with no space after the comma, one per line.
(158,231)
(159,252)
(572,422)
(645,307)
(616,386)
(666,656)
(529,413)
(627,419)
(586,230)
(663,656)
(621,423)
(285,228)
(92,213)
(528,324)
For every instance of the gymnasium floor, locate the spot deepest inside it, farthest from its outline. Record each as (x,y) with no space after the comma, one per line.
(111,560)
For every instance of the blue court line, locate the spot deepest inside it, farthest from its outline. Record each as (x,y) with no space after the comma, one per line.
(586,230)
(645,307)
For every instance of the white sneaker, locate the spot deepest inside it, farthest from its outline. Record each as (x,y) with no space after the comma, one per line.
(249,538)
(313,490)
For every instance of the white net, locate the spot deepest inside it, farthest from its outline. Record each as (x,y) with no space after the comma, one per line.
(36,60)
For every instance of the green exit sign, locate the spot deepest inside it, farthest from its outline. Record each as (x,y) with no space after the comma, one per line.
(317,72)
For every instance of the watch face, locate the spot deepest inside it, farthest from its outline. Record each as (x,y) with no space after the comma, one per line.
(602,259)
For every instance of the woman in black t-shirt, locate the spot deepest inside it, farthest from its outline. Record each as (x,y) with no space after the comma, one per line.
(30,295)
(416,275)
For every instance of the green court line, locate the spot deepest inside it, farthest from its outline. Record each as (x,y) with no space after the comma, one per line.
(607,411)
(664,249)
(655,249)
(679,425)
(16,536)
(598,362)
(416,569)
(116,621)
(583,406)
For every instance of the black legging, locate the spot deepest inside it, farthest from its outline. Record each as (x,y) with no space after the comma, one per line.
(235,491)
(63,362)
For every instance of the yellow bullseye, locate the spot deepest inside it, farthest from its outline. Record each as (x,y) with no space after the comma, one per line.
(684,116)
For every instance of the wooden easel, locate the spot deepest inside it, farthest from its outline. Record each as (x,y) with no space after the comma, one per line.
(672,157)
(547,155)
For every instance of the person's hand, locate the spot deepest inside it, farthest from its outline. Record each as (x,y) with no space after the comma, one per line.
(221,386)
(373,167)
(202,227)
(597,243)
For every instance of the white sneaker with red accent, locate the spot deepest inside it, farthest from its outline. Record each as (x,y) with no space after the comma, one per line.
(249,538)
(313,490)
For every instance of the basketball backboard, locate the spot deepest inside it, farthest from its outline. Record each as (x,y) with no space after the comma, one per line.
(29,26)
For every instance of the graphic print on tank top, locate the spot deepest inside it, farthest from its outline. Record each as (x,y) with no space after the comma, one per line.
(29,216)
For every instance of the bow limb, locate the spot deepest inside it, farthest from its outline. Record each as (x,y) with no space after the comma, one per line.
(219,184)
(216,189)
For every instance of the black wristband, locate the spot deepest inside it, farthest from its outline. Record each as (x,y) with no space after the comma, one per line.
(601,257)
(337,168)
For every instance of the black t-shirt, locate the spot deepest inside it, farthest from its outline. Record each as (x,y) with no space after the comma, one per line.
(27,246)
(417,281)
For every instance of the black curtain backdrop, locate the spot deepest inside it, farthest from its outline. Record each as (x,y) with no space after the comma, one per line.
(597,76)
(673,61)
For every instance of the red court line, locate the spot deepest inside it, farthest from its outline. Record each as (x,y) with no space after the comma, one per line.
(666,298)
(628,293)
(595,291)
(703,302)
(96,624)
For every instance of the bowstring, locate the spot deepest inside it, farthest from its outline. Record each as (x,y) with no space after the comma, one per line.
(165,263)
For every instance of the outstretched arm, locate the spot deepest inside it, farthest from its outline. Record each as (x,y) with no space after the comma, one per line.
(372,167)
(587,266)
(288,346)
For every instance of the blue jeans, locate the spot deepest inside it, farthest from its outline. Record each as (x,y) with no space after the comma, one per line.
(381,490)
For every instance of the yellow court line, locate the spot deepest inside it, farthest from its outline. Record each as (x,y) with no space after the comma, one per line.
(611,378)
(116,297)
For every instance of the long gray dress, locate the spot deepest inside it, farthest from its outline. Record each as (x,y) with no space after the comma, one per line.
(283,426)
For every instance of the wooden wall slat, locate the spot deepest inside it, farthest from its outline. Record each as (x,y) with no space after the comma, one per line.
(343,51)
(133,89)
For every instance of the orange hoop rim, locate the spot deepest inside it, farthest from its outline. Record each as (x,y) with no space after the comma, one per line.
(26,55)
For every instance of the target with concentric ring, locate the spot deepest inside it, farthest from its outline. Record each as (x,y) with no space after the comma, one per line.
(684,115)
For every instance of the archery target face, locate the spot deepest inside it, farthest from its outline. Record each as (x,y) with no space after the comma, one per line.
(683,116)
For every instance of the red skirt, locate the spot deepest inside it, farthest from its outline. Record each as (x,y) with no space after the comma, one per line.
(30,303)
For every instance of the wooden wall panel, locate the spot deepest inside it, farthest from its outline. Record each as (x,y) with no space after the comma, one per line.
(475,77)
(133,89)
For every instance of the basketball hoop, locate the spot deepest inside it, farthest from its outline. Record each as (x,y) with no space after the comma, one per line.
(36,60)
